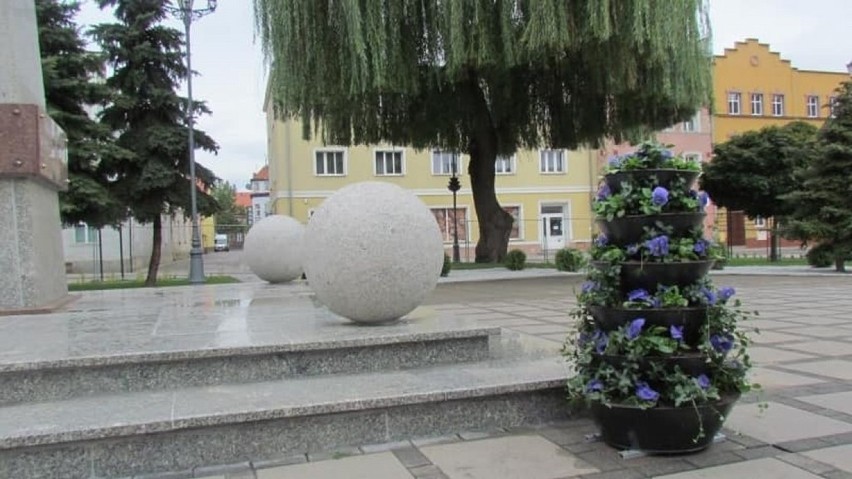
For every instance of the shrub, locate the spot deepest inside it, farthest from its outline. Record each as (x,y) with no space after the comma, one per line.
(448,265)
(821,256)
(515,260)
(570,259)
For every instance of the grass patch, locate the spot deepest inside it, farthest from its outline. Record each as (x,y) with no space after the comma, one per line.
(140,283)
(757,261)
(528,265)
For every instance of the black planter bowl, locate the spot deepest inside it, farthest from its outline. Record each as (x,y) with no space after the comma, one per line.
(654,177)
(691,319)
(630,229)
(692,364)
(647,276)
(662,429)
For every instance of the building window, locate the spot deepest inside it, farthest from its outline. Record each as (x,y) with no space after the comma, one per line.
(734,99)
(84,233)
(812,106)
(504,165)
(515,211)
(692,125)
(757,104)
(446,163)
(832,106)
(777,105)
(759,222)
(330,162)
(552,161)
(696,157)
(444,217)
(388,162)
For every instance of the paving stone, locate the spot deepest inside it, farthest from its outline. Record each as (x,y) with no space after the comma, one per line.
(411,457)
(839,457)
(766,468)
(429,441)
(758,452)
(430,471)
(838,401)
(530,457)
(369,466)
(566,436)
(387,446)
(770,378)
(715,459)
(838,475)
(656,466)
(620,474)
(824,348)
(165,475)
(221,470)
(474,435)
(335,454)
(762,355)
(833,368)
(284,461)
(780,423)
(803,461)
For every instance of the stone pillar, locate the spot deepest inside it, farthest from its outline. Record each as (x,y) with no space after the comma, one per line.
(32,169)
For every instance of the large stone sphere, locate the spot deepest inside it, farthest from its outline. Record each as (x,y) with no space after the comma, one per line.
(373,252)
(273,249)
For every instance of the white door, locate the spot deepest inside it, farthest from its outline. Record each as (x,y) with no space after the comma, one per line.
(553,231)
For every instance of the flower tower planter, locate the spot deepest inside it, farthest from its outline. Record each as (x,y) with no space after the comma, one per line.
(659,356)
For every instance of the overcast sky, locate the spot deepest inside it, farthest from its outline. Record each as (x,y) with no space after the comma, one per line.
(812,34)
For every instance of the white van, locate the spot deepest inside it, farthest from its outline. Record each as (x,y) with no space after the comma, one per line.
(220,243)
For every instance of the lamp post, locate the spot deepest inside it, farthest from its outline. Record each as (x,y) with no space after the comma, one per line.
(455,186)
(187,14)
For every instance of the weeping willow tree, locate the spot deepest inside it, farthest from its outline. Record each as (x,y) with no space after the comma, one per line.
(485,77)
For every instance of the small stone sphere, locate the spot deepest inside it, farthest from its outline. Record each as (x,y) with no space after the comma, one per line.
(273,249)
(372,252)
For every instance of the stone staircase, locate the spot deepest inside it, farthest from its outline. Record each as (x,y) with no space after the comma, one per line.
(325,386)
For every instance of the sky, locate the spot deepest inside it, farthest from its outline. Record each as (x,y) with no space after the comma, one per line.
(813,35)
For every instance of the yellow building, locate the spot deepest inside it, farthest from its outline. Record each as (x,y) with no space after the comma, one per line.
(547,191)
(754,87)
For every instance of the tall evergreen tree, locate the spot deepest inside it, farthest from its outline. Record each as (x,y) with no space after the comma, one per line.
(149,117)
(72,86)
(485,77)
(823,212)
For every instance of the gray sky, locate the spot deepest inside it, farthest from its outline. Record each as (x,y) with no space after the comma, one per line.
(812,34)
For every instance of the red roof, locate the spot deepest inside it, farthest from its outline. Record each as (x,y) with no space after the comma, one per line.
(243,199)
(262,174)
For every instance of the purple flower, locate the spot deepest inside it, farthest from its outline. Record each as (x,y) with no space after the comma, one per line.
(676,332)
(656,302)
(638,295)
(726,293)
(603,192)
(645,393)
(590,286)
(722,343)
(666,154)
(635,328)
(595,385)
(601,342)
(703,381)
(632,249)
(584,339)
(709,295)
(601,240)
(658,246)
(700,247)
(660,196)
(615,161)
(703,199)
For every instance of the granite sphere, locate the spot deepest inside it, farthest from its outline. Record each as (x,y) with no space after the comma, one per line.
(273,249)
(373,252)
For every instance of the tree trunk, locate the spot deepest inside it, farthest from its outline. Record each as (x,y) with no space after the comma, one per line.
(774,240)
(839,264)
(156,250)
(495,225)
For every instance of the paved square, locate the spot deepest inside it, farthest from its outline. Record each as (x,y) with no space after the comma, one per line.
(767,355)
(828,348)
(833,368)
(371,466)
(838,456)
(770,378)
(757,469)
(828,332)
(522,457)
(781,423)
(769,337)
(838,401)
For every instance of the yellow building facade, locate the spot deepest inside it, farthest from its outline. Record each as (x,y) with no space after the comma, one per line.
(548,192)
(753,88)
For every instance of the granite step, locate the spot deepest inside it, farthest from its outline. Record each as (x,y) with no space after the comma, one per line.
(326,344)
(120,435)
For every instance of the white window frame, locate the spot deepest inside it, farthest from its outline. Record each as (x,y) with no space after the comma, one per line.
(90,233)
(692,154)
(832,104)
(464,233)
(331,150)
(446,166)
(392,151)
(735,101)
(759,222)
(693,125)
(777,104)
(498,165)
(544,164)
(757,101)
(812,106)
(520,208)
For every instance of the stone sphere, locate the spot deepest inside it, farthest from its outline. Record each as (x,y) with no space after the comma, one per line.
(273,249)
(373,252)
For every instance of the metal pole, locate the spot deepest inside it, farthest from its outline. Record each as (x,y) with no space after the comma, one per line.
(130,242)
(100,254)
(121,250)
(196,260)
(456,253)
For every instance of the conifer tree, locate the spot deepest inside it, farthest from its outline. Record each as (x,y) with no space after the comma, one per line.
(73,87)
(485,77)
(149,117)
(823,212)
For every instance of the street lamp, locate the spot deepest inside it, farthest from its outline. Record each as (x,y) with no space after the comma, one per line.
(187,14)
(455,186)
